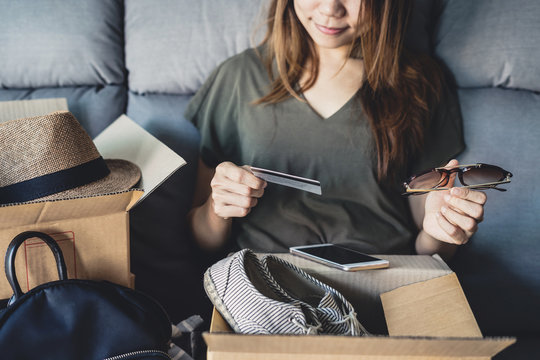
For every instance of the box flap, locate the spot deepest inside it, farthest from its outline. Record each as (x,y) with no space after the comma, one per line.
(403,270)
(363,288)
(218,324)
(125,139)
(435,307)
(359,346)
(11,110)
(47,211)
(221,338)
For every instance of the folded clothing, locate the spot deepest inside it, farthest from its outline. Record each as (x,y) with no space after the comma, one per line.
(272,296)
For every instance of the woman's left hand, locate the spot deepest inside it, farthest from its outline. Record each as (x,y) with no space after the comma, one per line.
(453,215)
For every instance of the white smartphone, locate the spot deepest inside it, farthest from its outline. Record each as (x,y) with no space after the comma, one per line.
(339,257)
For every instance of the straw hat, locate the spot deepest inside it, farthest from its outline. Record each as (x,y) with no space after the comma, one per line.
(52,157)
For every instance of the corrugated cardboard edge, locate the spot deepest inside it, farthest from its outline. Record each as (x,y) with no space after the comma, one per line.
(16,109)
(37,212)
(133,190)
(223,344)
(318,346)
(437,307)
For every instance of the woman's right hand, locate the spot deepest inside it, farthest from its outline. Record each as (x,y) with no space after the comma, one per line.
(235,190)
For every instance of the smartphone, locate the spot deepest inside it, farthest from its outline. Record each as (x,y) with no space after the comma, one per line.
(339,257)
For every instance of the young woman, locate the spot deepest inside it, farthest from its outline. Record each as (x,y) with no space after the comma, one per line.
(332,95)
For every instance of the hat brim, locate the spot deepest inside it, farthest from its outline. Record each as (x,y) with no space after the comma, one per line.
(123,176)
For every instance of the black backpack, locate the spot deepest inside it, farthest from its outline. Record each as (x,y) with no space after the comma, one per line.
(79,319)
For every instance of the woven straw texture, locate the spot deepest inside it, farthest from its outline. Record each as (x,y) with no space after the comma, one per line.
(41,145)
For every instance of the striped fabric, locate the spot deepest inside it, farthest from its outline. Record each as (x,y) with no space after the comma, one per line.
(182,329)
(335,313)
(272,296)
(239,287)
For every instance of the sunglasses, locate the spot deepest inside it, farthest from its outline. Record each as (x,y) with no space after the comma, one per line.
(477,176)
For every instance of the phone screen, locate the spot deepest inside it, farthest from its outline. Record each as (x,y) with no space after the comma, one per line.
(338,254)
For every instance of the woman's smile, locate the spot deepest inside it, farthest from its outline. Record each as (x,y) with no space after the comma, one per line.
(330,30)
(330,24)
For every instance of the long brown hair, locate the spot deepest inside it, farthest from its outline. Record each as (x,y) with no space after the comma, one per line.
(399,89)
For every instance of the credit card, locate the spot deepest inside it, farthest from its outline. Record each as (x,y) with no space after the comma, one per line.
(293,181)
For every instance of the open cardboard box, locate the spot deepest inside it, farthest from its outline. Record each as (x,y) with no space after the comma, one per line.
(93,232)
(426,312)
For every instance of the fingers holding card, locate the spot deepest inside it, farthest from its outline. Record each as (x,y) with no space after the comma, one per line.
(292,181)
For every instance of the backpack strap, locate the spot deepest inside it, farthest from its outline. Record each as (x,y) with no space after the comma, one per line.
(9,262)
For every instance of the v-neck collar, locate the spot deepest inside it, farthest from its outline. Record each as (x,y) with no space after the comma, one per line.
(334,114)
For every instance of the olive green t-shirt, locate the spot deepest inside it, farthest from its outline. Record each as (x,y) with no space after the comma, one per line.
(354,209)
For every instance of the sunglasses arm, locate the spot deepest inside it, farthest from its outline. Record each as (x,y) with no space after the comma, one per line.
(489,187)
(425,191)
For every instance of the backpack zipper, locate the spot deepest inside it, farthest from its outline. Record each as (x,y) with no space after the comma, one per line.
(140,352)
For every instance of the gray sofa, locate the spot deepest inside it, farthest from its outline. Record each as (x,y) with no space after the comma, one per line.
(147,58)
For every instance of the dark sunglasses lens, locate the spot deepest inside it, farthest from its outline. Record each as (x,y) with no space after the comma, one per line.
(428,181)
(482,175)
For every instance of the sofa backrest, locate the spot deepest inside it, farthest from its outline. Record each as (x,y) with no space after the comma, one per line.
(492,47)
(66,49)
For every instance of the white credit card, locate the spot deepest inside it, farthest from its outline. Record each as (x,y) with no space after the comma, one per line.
(293,181)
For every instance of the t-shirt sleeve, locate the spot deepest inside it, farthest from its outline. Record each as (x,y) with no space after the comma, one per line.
(444,136)
(213,110)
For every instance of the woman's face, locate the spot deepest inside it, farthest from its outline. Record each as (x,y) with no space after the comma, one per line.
(330,23)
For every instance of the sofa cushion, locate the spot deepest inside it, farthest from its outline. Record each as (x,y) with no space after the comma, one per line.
(94,106)
(491,42)
(173,47)
(499,268)
(61,43)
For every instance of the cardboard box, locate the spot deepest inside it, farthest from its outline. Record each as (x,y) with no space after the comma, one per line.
(426,313)
(93,232)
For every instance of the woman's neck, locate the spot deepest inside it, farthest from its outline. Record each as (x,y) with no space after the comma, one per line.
(338,65)
(333,57)
(339,78)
